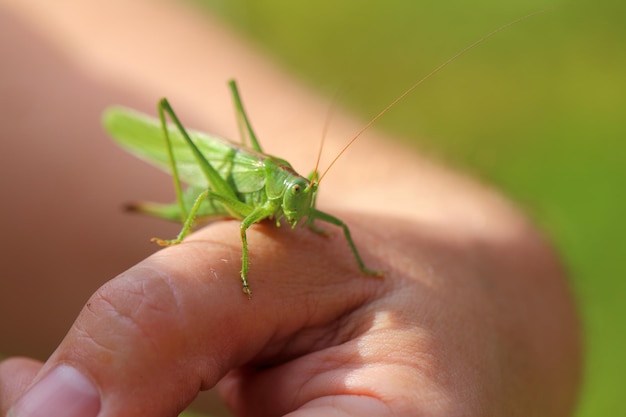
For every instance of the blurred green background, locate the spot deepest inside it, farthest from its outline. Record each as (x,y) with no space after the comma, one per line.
(538,110)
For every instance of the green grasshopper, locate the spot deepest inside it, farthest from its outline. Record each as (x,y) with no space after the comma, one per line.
(225,179)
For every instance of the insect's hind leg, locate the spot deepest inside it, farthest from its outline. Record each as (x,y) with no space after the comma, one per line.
(164,107)
(243,117)
(217,183)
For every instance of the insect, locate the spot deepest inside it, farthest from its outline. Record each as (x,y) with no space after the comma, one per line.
(227,179)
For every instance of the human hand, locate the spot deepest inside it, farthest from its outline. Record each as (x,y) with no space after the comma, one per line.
(460,324)
(472,316)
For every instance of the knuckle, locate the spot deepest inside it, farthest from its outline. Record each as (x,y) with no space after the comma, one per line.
(131,313)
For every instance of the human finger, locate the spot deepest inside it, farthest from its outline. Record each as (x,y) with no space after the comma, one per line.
(150,339)
(16,374)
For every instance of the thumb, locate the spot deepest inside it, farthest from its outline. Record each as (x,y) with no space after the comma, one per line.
(16,374)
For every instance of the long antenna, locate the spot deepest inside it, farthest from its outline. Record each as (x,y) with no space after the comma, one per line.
(428,76)
(327,119)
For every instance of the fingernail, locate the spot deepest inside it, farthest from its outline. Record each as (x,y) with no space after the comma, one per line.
(63,392)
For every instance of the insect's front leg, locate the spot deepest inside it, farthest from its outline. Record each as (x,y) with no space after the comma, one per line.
(313,176)
(310,223)
(320,215)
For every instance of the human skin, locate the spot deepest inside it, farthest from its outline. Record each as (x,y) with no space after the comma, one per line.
(473,316)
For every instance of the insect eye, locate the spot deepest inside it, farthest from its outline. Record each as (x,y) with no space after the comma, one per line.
(296,188)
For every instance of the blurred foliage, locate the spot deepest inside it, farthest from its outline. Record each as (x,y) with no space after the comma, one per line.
(538,110)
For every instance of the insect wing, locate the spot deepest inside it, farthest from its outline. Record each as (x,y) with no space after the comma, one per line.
(142,136)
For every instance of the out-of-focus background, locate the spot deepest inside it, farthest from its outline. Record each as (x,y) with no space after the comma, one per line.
(539,110)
